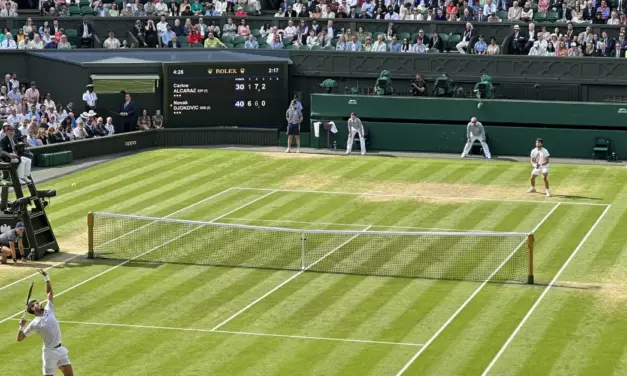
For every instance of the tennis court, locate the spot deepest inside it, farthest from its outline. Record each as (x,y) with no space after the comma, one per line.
(173,297)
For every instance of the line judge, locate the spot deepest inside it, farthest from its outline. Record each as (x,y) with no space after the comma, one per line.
(474,132)
(355,127)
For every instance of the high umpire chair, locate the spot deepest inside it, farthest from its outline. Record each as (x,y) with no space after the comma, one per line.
(39,238)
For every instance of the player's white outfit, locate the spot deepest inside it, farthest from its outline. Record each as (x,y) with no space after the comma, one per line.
(47,326)
(540,157)
(355,126)
(474,133)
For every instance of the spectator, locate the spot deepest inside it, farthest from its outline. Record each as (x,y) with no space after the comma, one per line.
(178,29)
(35,44)
(194,37)
(64,44)
(139,11)
(481,46)
(243,30)
(8,43)
(514,13)
(112,42)
(230,29)
(493,48)
(536,50)
(213,28)
(561,50)
(543,6)
(493,18)
(527,12)
(379,45)
(167,36)
(174,43)
(415,15)
(276,43)
(109,126)
(139,31)
(242,13)
(251,43)
(114,11)
(152,37)
(157,120)
(418,87)
(394,46)
(340,45)
(196,8)
(354,44)
(143,121)
(32,94)
(212,42)
(162,26)
(86,31)
(220,7)
(127,11)
(613,19)
(161,8)
(28,27)
(368,46)
(604,10)
(52,44)
(79,132)
(466,37)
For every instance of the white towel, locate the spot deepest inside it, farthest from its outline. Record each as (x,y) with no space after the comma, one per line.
(333,127)
(317,128)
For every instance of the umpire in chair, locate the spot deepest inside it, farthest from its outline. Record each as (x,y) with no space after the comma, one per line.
(12,151)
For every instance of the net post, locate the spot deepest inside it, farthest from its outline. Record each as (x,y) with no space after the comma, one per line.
(530,241)
(90,235)
(302,251)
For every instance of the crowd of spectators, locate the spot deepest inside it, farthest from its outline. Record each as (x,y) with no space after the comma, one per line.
(42,121)
(320,32)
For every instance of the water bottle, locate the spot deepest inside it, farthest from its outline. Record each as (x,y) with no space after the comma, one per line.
(334,145)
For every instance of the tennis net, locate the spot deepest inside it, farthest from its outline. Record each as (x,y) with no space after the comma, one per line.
(472,256)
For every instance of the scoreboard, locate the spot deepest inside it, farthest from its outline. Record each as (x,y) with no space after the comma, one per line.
(246,94)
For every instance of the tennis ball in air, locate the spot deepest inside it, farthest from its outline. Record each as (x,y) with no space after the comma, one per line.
(73,185)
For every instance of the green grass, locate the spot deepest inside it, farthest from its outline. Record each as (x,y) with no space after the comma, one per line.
(128,319)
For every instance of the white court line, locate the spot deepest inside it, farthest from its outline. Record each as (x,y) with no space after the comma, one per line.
(471,297)
(353,224)
(546,290)
(145,253)
(119,237)
(240,333)
(286,281)
(423,197)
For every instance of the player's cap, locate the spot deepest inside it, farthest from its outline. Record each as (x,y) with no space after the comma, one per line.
(19,225)
(540,140)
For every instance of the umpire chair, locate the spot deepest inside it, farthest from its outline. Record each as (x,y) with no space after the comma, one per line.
(39,237)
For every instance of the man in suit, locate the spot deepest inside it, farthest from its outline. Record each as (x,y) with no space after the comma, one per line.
(617,51)
(466,37)
(129,113)
(436,43)
(589,12)
(174,43)
(86,33)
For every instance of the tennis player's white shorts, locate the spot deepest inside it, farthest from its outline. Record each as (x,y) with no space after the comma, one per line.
(54,358)
(544,170)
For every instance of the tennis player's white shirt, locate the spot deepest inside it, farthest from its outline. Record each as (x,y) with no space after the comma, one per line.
(48,329)
(540,157)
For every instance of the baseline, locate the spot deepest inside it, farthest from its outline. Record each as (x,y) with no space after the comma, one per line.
(256,334)
(546,290)
(379,194)
(472,296)
(119,237)
(147,252)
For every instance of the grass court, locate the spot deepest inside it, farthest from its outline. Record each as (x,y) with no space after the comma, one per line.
(126,317)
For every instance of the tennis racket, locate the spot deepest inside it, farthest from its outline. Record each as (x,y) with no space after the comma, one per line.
(30,291)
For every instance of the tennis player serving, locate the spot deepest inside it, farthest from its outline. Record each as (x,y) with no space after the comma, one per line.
(45,324)
(540,163)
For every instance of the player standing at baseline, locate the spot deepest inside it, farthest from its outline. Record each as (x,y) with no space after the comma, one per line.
(475,131)
(46,325)
(540,163)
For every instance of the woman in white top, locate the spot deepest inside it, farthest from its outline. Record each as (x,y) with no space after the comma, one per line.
(613,19)
(527,13)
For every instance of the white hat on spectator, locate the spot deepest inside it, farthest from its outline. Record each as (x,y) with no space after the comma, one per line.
(516,27)
(84,115)
(91,113)
(573,44)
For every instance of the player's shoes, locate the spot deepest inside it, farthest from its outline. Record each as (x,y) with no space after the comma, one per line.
(363,153)
(548,194)
(287,150)
(298,150)
(531,190)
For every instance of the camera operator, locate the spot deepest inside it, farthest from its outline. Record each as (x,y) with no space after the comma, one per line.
(418,87)
(12,150)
